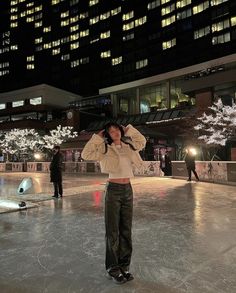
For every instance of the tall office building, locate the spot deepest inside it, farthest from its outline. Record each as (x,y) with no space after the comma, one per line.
(86,45)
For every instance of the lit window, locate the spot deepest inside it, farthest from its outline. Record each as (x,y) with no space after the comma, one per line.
(93,2)
(36,101)
(219,26)
(6,34)
(13,17)
(128,15)
(105,15)
(74,46)
(38,8)
(116,11)
(74,63)
(14,2)
(4,72)
(221,39)
(141,63)
(105,35)
(233,20)
(14,9)
(65,14)
(2,106)
(30,58)
(14,24)
(38,40)
(116,61)
(65,22)
(169,44)
(47,46)
(29,4)
(14,47)
(201,7)
(74,28)
(217,2)
(94,20)
(30,11)
(56,51)
(17,103)
(38,24)
(47,29)
(23,14)
(106,54)
(74,19)
(140,21)
(183,3)
(30,19)
(84,33)
(168,21)
(164,1)
(201,32)
(74,37)
(4,65)
(54,2)
(153,4)
(83,15)
(56,43)
(128,26)
(30,66)
(3,50)
(167,9)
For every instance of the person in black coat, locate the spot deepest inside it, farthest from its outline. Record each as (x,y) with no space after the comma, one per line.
(190,164)
(56,172)
(165,164)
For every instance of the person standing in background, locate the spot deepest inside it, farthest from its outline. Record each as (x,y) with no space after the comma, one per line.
(56,172)
(165,164)
(190,163)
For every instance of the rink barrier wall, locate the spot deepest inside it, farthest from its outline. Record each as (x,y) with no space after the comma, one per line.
(213,171)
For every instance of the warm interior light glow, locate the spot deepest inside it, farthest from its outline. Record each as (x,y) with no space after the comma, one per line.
(37,156)
(193,151)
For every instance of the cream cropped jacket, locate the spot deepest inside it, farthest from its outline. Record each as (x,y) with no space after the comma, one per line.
(109,161)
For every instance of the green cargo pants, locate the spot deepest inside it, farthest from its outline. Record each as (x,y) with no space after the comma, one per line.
(118,222)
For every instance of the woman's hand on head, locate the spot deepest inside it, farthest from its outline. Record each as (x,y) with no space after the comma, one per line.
(125,128)
(101,133)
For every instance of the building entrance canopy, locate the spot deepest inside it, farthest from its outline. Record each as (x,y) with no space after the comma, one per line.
(145,118)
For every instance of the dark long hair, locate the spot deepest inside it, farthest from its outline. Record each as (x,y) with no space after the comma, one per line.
(108,139)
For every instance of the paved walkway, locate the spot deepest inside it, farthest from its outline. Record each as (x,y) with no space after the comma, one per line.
(184,238)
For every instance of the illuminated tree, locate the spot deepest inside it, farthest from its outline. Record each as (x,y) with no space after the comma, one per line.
(219,126)
(20,142)
(58,136)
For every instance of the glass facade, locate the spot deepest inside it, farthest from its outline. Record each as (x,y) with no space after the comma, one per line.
(178,98)
(153,98)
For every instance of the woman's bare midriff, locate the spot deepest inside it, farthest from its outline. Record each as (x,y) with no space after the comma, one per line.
(119,180)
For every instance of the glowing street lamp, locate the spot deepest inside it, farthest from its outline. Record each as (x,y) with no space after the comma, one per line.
(37,156)
(193,151)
